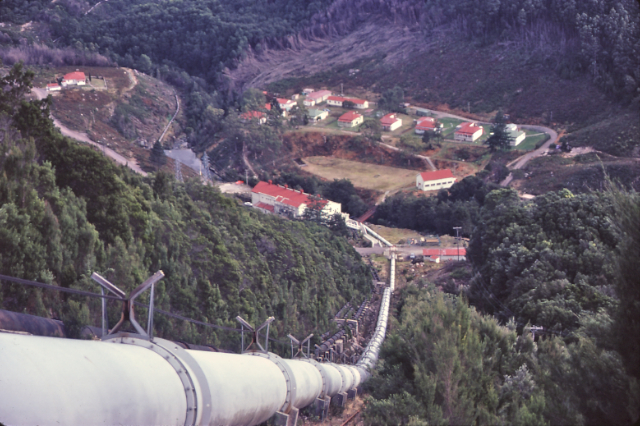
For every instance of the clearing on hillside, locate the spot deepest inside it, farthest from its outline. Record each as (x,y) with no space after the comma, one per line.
(362,175)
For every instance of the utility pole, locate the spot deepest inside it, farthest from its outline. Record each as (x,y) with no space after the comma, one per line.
(457,228)
(341,90)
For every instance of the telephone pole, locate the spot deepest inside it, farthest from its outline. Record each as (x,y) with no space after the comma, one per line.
(457,228)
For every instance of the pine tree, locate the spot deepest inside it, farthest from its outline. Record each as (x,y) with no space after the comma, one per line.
(158,156)
(500,138)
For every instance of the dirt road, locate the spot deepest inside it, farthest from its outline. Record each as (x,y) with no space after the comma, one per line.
(520,162)
(427,159)
(83,137)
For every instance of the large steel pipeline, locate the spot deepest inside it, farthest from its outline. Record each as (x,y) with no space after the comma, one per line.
(130,379)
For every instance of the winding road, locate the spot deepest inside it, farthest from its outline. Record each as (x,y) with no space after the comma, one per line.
(83,137)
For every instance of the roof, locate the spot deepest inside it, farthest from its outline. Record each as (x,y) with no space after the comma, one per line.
(265,206)
(426,123)
(356,101)
(316,112)
(341,99)
(444,252)
(252,114)
(318,94)
(53,85)
(76,75)
(348,117)
(389,119)
(439,174)
(288,196)
(468,128)
(284,101)
(267,107)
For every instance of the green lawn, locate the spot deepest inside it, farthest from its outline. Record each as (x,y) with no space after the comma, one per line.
(532,139)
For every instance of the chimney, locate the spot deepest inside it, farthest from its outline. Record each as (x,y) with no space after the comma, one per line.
(270,182)
(286,186)
(301,191)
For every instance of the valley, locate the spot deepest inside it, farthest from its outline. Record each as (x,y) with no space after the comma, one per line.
(473,167)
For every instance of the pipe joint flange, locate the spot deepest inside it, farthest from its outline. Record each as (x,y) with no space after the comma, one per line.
(189,372)
(316,364)
(287,372)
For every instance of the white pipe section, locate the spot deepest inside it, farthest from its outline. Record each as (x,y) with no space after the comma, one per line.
(308,382)
(130,380)
(54,381)
(245,390)
(347,377)
(375,234)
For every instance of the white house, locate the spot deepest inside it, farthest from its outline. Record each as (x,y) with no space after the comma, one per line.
(309,102)
(391,122)
(289,202)
(339,101)
(437,255)
(427,124)
(432,181)
(53,87)
(316,115)
(286,104)
(515,134)
(307,91)
(76,78)
(468,132)
(319,96)
(350,119)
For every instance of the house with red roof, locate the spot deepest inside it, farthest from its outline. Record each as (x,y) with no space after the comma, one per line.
(437,255)
(76,78)
(468,132)
(254,115)
(390,122)
(319,96)
(53,87)
(350,119)
(339,101)
(286,104)
(427,124)
(285,201)
(309,102)
(433,181)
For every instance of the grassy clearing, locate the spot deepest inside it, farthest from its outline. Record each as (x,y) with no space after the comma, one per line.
(532,139)
(362,175)
(394,235)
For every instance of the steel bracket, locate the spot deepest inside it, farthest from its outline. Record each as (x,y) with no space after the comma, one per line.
(255,335)
(128,313)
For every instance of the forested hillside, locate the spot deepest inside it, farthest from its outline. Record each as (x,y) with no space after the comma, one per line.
(67,211)
(447,363)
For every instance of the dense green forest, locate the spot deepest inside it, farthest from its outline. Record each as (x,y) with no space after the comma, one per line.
(457,206)
(563,262)
(447,363)
(66,211)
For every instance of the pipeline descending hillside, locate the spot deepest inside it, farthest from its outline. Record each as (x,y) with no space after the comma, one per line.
(133,379)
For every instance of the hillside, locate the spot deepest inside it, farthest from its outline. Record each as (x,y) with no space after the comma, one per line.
(119,108)
(67,211)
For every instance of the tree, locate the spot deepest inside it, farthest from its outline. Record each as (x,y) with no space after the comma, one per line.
(372,130)
(158,156)
(500,138)
(392,100)
(348,105)
(627,321)
(426,137)
(252,100)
